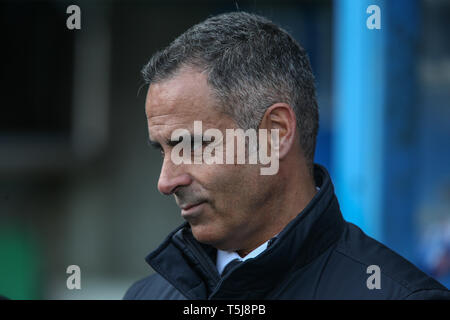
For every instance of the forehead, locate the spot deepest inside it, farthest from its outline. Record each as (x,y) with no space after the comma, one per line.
(186,94)
(179,101)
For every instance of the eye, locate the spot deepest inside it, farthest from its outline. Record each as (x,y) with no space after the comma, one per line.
(158,147)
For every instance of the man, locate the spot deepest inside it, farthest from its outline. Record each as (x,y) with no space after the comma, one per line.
(250,235)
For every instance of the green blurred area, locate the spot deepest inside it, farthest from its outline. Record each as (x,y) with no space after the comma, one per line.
(18,264)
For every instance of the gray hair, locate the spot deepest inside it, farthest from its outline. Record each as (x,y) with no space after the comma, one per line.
(251,64)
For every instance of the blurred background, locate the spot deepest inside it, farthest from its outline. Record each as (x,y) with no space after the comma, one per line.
(78,180)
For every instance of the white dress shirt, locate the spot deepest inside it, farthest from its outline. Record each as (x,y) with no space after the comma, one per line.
(224,257)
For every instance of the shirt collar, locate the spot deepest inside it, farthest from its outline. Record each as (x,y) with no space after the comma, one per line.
(224,257)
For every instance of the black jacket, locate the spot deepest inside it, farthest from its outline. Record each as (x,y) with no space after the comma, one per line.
(318,255)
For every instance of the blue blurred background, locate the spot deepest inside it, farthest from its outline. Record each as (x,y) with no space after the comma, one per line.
(78,180)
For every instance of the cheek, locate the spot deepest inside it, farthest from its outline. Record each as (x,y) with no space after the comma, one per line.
(235,194)
(232,186)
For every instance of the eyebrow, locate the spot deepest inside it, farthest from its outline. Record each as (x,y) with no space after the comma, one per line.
(169,142)
(157,145)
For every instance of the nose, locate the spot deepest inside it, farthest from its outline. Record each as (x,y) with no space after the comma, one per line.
(172,176)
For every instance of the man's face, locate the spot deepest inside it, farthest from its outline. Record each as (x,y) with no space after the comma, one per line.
(221,202)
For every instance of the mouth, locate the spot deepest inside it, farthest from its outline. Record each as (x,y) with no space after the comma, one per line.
(191,209)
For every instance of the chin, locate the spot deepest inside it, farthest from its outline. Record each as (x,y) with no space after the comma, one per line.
(206,234)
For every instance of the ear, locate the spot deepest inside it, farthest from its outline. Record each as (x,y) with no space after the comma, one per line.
(282,117)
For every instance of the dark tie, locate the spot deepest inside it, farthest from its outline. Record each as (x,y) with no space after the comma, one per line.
(230,266)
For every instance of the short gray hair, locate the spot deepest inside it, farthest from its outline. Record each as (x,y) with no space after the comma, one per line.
(251,64)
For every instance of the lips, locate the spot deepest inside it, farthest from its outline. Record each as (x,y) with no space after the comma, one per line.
(192,212)
(189,206)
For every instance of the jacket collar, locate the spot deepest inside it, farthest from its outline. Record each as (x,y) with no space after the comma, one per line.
(190,265)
